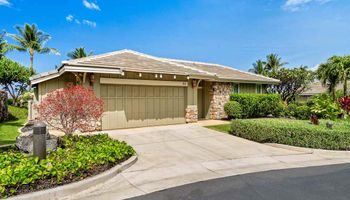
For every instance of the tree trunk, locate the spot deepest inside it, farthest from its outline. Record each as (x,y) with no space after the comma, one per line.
(31,63)
(345,88)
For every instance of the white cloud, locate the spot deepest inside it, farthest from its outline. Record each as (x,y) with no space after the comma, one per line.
(69,18)
(90,5)
(4,3)
(89,23)
(296,5)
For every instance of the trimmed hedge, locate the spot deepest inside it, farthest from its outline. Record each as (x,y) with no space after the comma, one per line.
(294,132)
(259,105)
(298,111)
(76,157)
(233,110)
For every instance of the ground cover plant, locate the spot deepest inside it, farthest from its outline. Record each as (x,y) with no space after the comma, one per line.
(9,128)
(76,158)
(292,132)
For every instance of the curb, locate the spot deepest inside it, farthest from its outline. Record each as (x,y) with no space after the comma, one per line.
(76,187)
(321,152)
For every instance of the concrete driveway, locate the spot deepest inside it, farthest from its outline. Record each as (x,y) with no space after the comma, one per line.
(179,154)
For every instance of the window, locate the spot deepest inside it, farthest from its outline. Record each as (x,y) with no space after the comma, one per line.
(235,88)
(258,89)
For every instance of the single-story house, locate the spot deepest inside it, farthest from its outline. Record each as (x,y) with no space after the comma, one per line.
(142,90)
(315,89)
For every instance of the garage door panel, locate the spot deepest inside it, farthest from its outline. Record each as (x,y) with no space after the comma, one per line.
(138,106)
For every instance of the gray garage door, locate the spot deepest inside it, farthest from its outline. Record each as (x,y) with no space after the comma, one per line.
(129,106)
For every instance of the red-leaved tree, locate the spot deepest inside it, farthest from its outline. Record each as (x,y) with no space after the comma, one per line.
(70,109)
(345,104)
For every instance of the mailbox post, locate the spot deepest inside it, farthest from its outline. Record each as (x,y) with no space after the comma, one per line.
(39,140)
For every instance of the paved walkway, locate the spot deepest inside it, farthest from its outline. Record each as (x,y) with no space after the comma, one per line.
(179,154)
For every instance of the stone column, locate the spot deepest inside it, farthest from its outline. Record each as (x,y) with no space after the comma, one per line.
(219,96)
(191,114)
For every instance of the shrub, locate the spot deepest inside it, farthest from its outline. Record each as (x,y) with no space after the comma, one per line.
(258,105)
(324,107)
(233,110)
(74,160)
(298,111)
(294,132)
(70,109)
(345,104)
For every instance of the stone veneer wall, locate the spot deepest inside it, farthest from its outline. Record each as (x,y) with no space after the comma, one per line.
(3,106)
(219,95)
(191,114)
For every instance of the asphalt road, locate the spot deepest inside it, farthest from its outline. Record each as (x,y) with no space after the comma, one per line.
(313,183)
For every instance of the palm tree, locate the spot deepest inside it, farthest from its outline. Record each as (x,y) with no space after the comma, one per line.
(343,63)
(258,67)
(32,40)
(274,62)
(78,53)
(4,47)
(329,75)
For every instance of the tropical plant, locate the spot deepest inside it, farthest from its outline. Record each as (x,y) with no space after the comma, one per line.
(76,158)
(79,52)
(258,67)
(32,40)
(292,82)
(324,107)
(4,47)
(70,109)
(329,75)
(14,77)
(274,63)
(345,104)
(343,65)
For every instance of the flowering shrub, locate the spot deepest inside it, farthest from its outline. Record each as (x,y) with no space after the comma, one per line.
(72,108)
(345,104)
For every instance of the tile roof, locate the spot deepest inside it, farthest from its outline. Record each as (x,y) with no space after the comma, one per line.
(318,88)
(128,60)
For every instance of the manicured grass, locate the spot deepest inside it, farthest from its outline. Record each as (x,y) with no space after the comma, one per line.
(77,157)
(9,129)
(225,128)
(292,132)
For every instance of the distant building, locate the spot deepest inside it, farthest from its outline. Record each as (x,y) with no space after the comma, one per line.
(316,88)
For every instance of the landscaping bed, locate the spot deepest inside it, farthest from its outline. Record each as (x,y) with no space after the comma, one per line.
(76,158)
(292,132)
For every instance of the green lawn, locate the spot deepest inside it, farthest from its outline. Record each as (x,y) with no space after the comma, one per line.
(9,129)
(291,132)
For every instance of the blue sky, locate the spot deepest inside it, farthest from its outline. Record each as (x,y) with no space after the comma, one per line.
(230,32)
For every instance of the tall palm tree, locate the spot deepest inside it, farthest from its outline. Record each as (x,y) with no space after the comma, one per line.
(274,62)
(4,47)
(78,53)
(343,63)
(32,40)
(258,67)
(329,75)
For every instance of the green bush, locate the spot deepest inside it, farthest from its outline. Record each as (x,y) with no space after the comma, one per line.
(298,111)
(76,155)
(324,107)
(233,110)
(294,132)
(258,105)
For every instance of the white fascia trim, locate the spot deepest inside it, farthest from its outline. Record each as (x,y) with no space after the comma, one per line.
(91,70)
(66,68)
(45,78)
